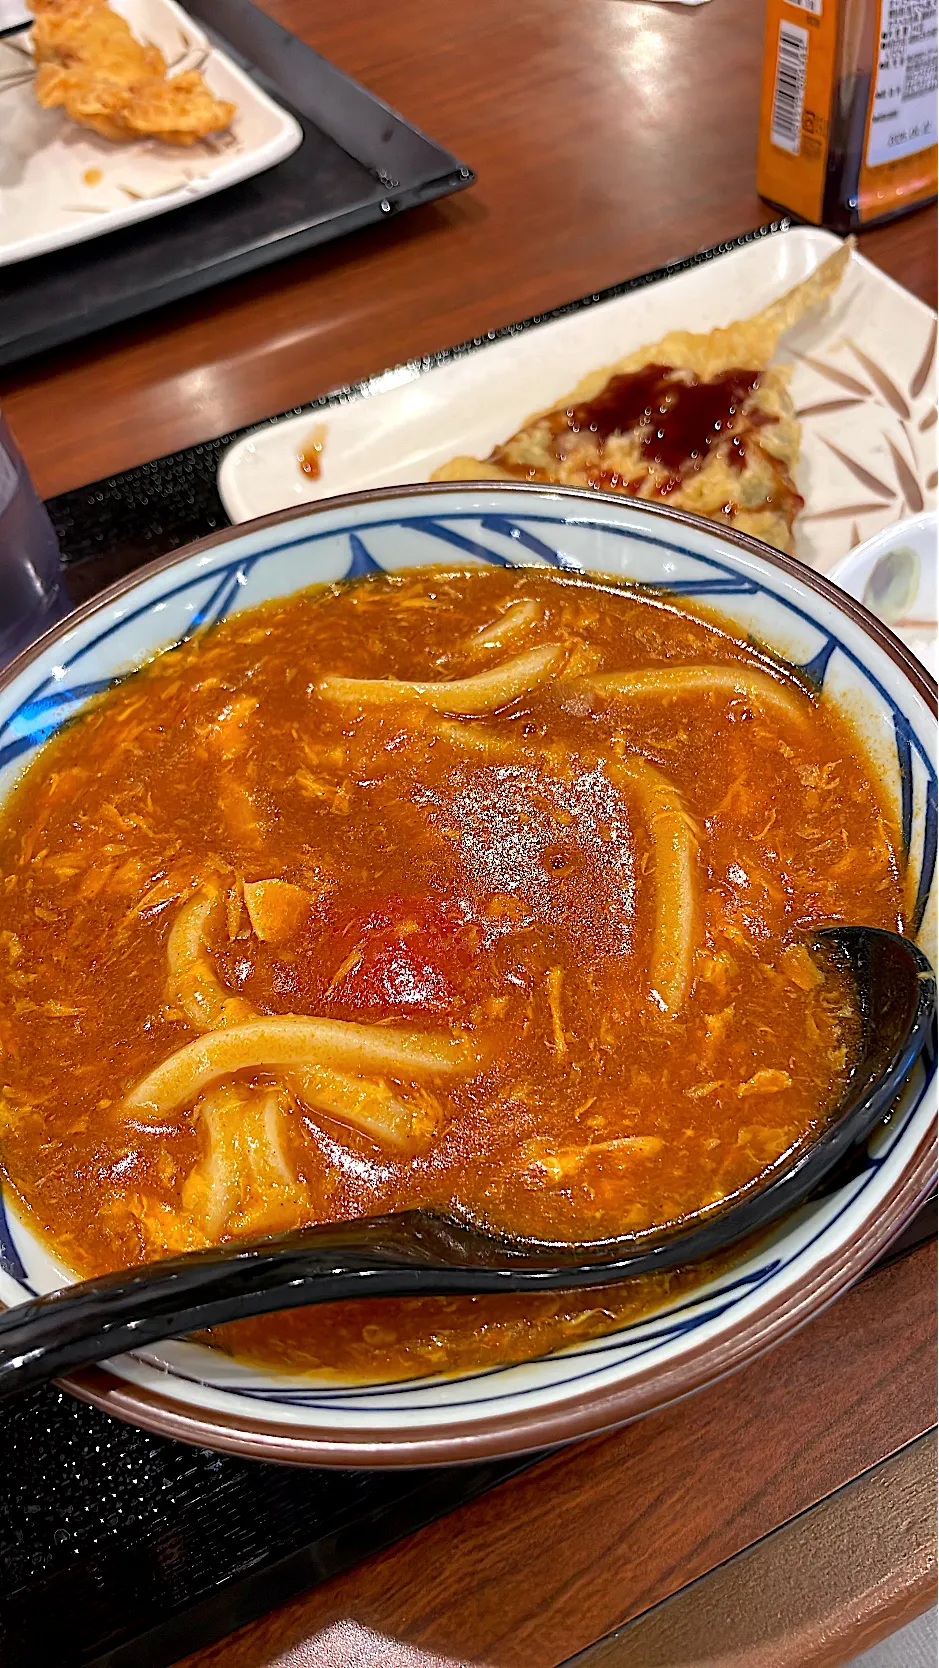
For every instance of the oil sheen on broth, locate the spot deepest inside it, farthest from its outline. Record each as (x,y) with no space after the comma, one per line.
(524,859)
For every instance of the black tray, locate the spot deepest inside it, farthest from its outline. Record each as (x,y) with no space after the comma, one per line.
(359,162)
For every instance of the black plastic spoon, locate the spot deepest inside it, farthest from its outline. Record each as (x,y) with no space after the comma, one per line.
(426,1253)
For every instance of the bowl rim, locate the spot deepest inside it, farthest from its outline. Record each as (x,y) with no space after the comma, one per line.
(921,679)
(592,1411)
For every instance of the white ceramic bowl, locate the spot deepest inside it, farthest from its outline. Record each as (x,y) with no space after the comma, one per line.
(896,575)
(186,1391)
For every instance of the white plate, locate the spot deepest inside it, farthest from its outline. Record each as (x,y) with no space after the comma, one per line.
(45,200)
(895,575)
(400,426)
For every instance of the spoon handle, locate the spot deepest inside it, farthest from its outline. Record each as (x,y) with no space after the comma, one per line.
(393,1256)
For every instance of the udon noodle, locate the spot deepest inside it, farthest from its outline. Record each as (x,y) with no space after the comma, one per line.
(484,888)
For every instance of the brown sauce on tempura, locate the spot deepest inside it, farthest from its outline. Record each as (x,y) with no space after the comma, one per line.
(670,423)
(701,419)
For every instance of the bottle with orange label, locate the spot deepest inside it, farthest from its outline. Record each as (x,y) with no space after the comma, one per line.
(848,122)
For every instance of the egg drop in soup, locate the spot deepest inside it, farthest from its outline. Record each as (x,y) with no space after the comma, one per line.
(486,889)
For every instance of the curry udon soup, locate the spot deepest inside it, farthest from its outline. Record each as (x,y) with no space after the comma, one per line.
(485,888)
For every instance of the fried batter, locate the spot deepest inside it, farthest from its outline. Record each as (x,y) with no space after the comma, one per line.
(90,62)
(87,32)
(702,422)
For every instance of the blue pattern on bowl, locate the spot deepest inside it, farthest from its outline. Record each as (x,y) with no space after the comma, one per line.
(203,597)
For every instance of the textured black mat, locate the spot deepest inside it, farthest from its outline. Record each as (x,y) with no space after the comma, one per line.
(122,1550)
(113,526)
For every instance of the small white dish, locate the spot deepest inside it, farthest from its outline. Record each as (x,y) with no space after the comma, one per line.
(895,575)
(61,184)
(862,384)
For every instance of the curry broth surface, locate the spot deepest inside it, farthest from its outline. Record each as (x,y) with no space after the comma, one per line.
(485,876)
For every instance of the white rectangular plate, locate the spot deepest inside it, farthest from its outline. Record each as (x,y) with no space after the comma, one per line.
(47,160)
(866,398)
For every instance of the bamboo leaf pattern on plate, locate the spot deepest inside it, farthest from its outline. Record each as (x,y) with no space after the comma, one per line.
(909,485)
(842,510)
(840,377)
(920,376)
(827,407)
(881,381)
(883,397)
(866,478)
(17,79)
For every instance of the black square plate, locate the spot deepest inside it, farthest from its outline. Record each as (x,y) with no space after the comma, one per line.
(359,162)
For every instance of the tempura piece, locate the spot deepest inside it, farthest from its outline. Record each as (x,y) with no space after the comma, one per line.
(486,692)
(703,422)
(88,32)
(286,1041)
(179,110)
(90,63)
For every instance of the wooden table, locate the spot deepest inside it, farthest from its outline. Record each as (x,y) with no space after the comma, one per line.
(832,1424)
(609,137)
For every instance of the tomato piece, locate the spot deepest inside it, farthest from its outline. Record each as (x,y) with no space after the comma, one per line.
(404,955)
(392,974)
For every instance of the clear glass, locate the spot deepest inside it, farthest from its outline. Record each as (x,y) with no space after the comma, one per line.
(852,199)
(32,593)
